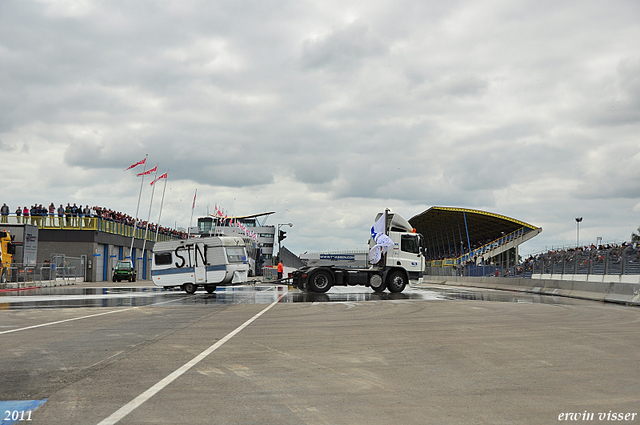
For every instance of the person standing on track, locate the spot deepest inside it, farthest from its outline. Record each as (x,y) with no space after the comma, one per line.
(280,270)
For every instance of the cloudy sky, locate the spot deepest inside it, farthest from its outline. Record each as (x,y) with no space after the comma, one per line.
(327,112)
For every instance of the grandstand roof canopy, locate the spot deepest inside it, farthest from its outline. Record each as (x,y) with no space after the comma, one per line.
(449,222)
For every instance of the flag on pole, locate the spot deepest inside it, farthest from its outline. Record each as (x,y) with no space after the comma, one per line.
(163,176)
(146,173)
(383,242)
(193,207)
(137,163)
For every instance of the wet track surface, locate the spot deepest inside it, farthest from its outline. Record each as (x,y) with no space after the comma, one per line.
(269,354)
(73,296)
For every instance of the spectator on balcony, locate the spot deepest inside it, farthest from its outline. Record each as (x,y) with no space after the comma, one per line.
(5,213)
(60,215)
(18,214)
(74,215)
(86,212)
(52,213)
(79,214)
(67,214)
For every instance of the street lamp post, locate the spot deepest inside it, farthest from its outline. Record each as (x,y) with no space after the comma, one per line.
(578,220)
(281,237)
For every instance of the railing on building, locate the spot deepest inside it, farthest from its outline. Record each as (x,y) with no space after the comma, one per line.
(53,222)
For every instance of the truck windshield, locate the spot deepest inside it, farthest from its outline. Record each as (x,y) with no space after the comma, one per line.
(236,254)
(409,243)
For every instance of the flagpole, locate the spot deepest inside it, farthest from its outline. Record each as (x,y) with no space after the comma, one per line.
(135,221)
(191,219)
(162,203)
(146,227)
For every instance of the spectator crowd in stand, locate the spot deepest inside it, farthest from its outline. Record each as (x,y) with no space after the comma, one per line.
(79,216)
(630,252)
(457,251)
(613,247)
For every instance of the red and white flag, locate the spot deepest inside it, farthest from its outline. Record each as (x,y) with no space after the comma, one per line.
(137,163)
(164,176)
(146,173)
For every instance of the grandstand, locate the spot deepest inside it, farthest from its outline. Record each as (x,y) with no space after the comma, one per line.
(462,236)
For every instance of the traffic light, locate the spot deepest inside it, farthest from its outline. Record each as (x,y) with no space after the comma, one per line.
(281,235)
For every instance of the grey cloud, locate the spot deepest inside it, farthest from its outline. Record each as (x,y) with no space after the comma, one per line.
(6,147)
(410,103)
(342,49)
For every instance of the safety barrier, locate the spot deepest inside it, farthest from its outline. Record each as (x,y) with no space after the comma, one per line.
(615,292)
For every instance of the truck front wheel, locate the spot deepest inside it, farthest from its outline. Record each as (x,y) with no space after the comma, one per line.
(396,281)
(320,282)
(376,283)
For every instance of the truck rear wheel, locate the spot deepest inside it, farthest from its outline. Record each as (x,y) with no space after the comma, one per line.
(3,276)
(396,281)
(320,282)
(190,288)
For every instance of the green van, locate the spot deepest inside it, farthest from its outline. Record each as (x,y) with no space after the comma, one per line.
(124,271)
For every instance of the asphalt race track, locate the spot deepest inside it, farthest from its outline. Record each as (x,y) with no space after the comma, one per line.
(265,354)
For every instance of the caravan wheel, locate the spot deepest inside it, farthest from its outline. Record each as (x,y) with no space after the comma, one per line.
(210,289)
(190,288)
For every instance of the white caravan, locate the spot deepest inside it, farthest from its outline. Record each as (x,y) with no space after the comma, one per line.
(207,262)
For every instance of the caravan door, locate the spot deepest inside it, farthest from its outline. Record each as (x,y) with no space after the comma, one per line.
(199,263)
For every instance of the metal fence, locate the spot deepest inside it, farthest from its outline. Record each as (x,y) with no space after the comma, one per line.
(59,270)
(66,268)
(621,260)
(612,261)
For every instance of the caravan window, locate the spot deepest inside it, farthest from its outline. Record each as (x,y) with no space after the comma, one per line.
(163,258)
(236,254)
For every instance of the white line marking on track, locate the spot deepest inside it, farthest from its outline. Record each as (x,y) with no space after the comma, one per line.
(82,317)
(63,321)
(138,401)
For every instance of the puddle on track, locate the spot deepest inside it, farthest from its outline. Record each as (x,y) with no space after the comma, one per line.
(69,296)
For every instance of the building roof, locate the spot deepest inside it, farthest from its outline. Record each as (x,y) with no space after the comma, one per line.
(444,223)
